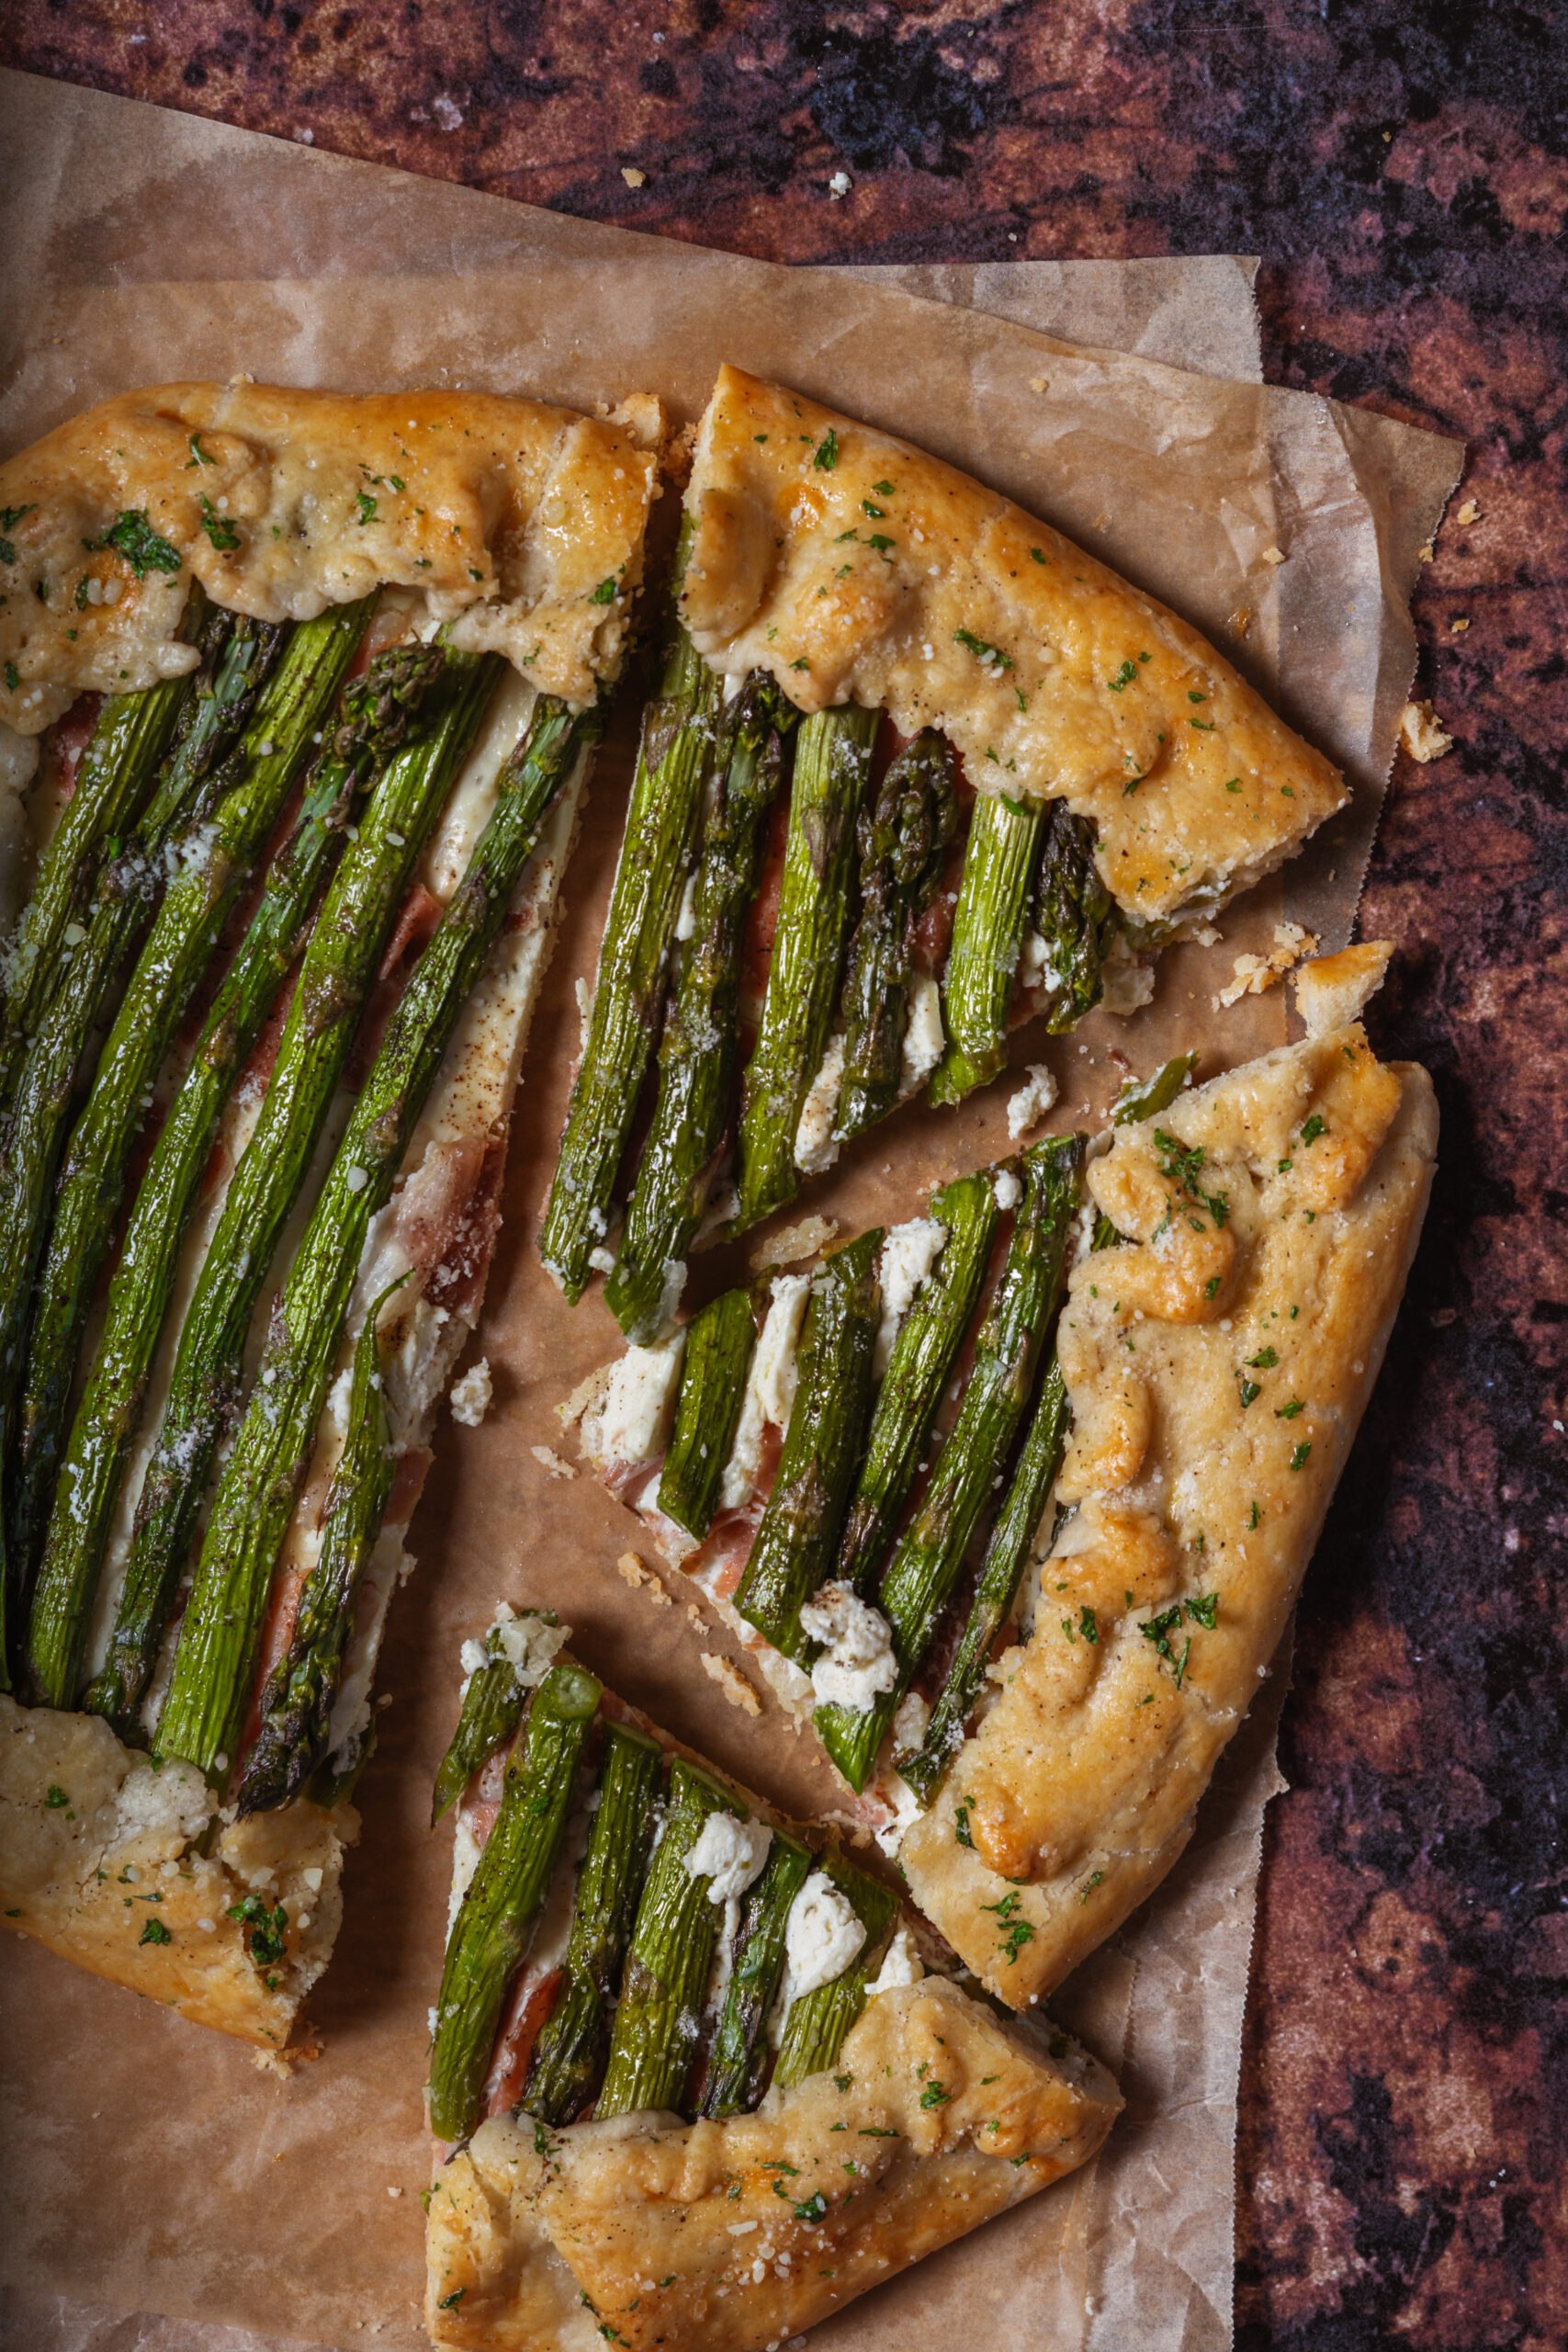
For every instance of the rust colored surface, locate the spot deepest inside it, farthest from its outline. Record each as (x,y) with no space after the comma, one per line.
(1401,166)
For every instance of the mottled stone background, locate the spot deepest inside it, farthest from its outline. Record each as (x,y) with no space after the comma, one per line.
(1401,166)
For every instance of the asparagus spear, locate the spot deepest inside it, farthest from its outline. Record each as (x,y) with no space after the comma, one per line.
(903,841)
(672,1952)
(929,1554)
(141,1287)
(1145,1098)
(832,762)
(1007,1554)
(572,2048)
(340,964)
(216,861)
(501,1908)
(988,934)
(492,1710)
(707,1411)
(113,777)
(922,1356)
(272,1445)
(798,1540)
(696,1052)
(1073,914)
(815,2029)
(297,1698)
(662,828)
(737,2062)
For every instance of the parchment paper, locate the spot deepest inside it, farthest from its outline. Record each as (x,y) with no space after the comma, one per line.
(164,2173)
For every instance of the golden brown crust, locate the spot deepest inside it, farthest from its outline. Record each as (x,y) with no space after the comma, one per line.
(1209,1437)
(510,517)
(723,2237)
(1048,673)
(96,1861)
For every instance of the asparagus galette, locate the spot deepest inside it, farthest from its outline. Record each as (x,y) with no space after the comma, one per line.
(343,663)
(918,769)
(695,2081)
(1026,1606)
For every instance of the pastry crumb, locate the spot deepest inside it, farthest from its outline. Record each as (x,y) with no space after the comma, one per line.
(1469,512)
(585,1393)
(1422,732)
(632,176)
(697,1618)
(1256,973)
(636,1572)
(1240,621)
(1456,629)
(732,1682)
(1426,554)
(1273,555)
(552,1462)
(795,1242)
(1040,383)
(470,1396)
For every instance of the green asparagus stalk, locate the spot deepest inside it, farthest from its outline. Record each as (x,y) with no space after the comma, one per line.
(272,1444)
(1145,1098)
(697,1053)
(1001,1571)
(572,2048)
(815,2029)
(500,1907)
(1073,915)
(902,841)
(987,936)
(142,1284)
(113,778)
(832,765)
(923,1353)
(707,1411)
(216,861)
(340,964)
(492,1710)
(930,1554)
(297,1698)
(671,1952)
(798,1539)
(660,835)
(738,2060)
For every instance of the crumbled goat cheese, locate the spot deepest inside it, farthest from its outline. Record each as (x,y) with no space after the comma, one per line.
(470,1396)
(822,1936)
(858,1663)
(770,1387)
(814,1147)
(1127,981)
(925,1039)
(905,1806)
(630,1422)
(901,1965)
(1007,1191)
(1037,966)
(909,1722)
(730,1854)
(529,1642)
(909,1255)
(1030,1104)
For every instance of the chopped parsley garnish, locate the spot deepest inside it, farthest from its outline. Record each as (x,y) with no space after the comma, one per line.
(937,2094)
(198,455)
(1124,677)
(1249,1390)
(80,596)
(56,1798)
(1233,784)
(801,665)
(1184,1168)
(989,656)
(1192,695)
(1038,553)
(960,1826)
(827,456)
(1254,1516)
(265,1940)
(880,542)
(132,534)
(1204,1611)
(1288,1412)
(842,2082)
(1297,1459)
(218,529)
(1264,1361)
(605,592)
(450,2303)
(1159,1629)
(1090,1883)
(13,676)
(1088,1626)
(877,2131)
(1314,1128)
(1211,1286)
(876,512)
(883,489)
(153,1932)
(812,2208)
(365,505)
(851,534)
